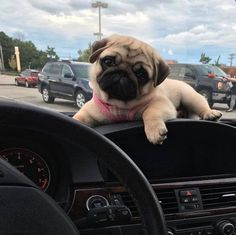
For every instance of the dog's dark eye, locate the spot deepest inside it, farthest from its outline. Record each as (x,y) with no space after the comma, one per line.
(108,61)
(142,76)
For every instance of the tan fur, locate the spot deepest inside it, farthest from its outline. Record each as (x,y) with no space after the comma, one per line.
(163,97)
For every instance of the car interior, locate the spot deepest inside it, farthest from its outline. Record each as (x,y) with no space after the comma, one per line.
(111,180)
(61,177)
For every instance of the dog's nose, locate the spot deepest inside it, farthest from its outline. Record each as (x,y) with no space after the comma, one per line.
(119,86)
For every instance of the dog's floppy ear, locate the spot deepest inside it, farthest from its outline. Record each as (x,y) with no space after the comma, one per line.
(161,71)
(97,48)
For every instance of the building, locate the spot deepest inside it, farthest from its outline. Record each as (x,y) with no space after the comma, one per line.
(171,61)
(230,70)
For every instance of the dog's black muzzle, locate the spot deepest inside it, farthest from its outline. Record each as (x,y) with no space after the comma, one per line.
(118,86)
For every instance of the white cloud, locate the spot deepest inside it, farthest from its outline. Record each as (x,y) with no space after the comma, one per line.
(170,52)
(199,29)
(173,27)
(234,27)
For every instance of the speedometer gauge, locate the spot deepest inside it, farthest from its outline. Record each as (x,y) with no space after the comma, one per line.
(30,164)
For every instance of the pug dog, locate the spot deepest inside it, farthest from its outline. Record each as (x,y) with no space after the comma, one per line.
(129,82)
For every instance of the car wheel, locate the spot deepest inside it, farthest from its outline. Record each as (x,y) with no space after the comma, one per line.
(16,83)
(207,95)
(46,95)
(80,98)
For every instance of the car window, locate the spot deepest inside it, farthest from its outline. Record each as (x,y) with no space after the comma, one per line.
(24,73)
(182,71)
(56,69)
(81,70)
(174,70)
(218,72)
(208,69)
(66,70)
(188,72)
(46,68)
(34,74)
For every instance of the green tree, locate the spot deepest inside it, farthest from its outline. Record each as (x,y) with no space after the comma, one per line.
(30,56)
(12,62)
(19,35)
(51,54)
(7,48)
(217,61)
(205,59)
(28,53)
(84,55)
(42,59)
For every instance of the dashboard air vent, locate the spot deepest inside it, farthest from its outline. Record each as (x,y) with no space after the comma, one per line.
(167,200)
(166,197)
(128,201)
(218,196)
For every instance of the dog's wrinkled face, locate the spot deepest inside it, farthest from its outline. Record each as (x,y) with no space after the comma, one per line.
(126,68)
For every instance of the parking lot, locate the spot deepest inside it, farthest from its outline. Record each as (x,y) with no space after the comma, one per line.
(31,95)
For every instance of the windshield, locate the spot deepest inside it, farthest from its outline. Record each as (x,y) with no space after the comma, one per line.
(34,74)
(209,69)
(192,32)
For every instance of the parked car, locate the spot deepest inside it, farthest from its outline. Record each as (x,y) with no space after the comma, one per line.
(28,78)
(208,80)
(67,80)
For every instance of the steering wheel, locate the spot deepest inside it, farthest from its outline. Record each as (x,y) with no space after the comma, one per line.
(25,209)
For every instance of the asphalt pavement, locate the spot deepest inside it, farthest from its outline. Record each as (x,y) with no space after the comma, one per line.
(8,89)
(64,105)
(7,79)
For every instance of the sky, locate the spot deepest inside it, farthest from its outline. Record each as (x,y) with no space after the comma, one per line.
(179,30)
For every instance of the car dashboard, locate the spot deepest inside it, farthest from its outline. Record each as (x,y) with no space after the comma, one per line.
(193,174)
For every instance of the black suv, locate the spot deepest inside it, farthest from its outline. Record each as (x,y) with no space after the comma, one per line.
(67,80)
(208,80)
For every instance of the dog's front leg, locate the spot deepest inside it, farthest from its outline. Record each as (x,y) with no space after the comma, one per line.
(85,118)
(154,118)
(88,114)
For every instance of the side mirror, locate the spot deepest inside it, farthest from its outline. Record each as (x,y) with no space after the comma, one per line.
(68,75)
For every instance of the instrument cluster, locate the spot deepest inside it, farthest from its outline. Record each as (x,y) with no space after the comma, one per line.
(30,164)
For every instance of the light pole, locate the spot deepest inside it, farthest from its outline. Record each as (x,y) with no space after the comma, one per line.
(1,59)
(231,58)
(99,5)
(17,53)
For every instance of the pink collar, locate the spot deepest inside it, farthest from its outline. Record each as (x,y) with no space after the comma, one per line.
(113,113)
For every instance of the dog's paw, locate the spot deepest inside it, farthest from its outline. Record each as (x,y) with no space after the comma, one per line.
(156,131)
(212,115)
